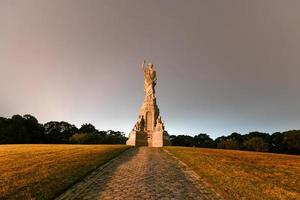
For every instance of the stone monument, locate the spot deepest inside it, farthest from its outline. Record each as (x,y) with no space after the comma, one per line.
(149,129)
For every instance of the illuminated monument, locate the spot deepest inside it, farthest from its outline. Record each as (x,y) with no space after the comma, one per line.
(149,129)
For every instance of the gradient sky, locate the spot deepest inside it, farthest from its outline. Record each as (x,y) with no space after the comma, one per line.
(223,66)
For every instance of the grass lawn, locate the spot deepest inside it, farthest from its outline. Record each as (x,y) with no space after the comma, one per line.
(43,171)
(244,175)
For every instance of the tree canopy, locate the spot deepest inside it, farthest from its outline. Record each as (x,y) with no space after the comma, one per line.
(27,130)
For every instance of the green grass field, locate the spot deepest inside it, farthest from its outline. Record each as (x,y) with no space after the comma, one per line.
(43,171)
(244,175)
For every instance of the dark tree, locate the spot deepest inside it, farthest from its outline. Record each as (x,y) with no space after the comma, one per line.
(21,130)
(228,143)
(256,144)
(203,140)
(17,132)
(291,140)
(4,123)
(85,138)
(87,128)
(59,132)
(115,137)
(238,137)
(182,140)
(34,130)
(277,145)
(265,136)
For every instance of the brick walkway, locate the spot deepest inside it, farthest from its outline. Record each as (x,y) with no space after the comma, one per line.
(139,173)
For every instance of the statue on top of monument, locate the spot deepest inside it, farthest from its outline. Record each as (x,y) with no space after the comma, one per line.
(150,79)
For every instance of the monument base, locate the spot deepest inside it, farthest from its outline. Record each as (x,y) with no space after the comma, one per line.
(149,138)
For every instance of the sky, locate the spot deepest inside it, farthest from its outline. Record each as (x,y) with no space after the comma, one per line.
(222,66)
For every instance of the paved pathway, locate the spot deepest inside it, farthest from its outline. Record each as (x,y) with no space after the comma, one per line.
(139,173)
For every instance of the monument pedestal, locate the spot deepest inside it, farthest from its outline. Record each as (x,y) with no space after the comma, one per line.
(131,139)
(157,139)
(137,138)
(151,139)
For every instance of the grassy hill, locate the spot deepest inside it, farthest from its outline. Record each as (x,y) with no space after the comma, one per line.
(42,171)
(244,175)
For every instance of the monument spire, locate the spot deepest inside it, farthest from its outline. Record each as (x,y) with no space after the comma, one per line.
(149,128)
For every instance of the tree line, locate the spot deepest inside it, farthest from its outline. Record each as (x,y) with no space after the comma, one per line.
(279,142)
(27,130)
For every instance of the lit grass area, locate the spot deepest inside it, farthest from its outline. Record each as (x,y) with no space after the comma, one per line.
(244,175)
(43,171)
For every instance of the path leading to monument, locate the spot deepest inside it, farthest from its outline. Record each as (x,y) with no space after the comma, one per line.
(139,173)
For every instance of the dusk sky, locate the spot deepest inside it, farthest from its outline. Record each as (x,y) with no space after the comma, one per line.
(223,66)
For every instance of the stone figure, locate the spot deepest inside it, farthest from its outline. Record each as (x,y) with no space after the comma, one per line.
(136,126)
(142,123)
(159,124)
(149,79)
